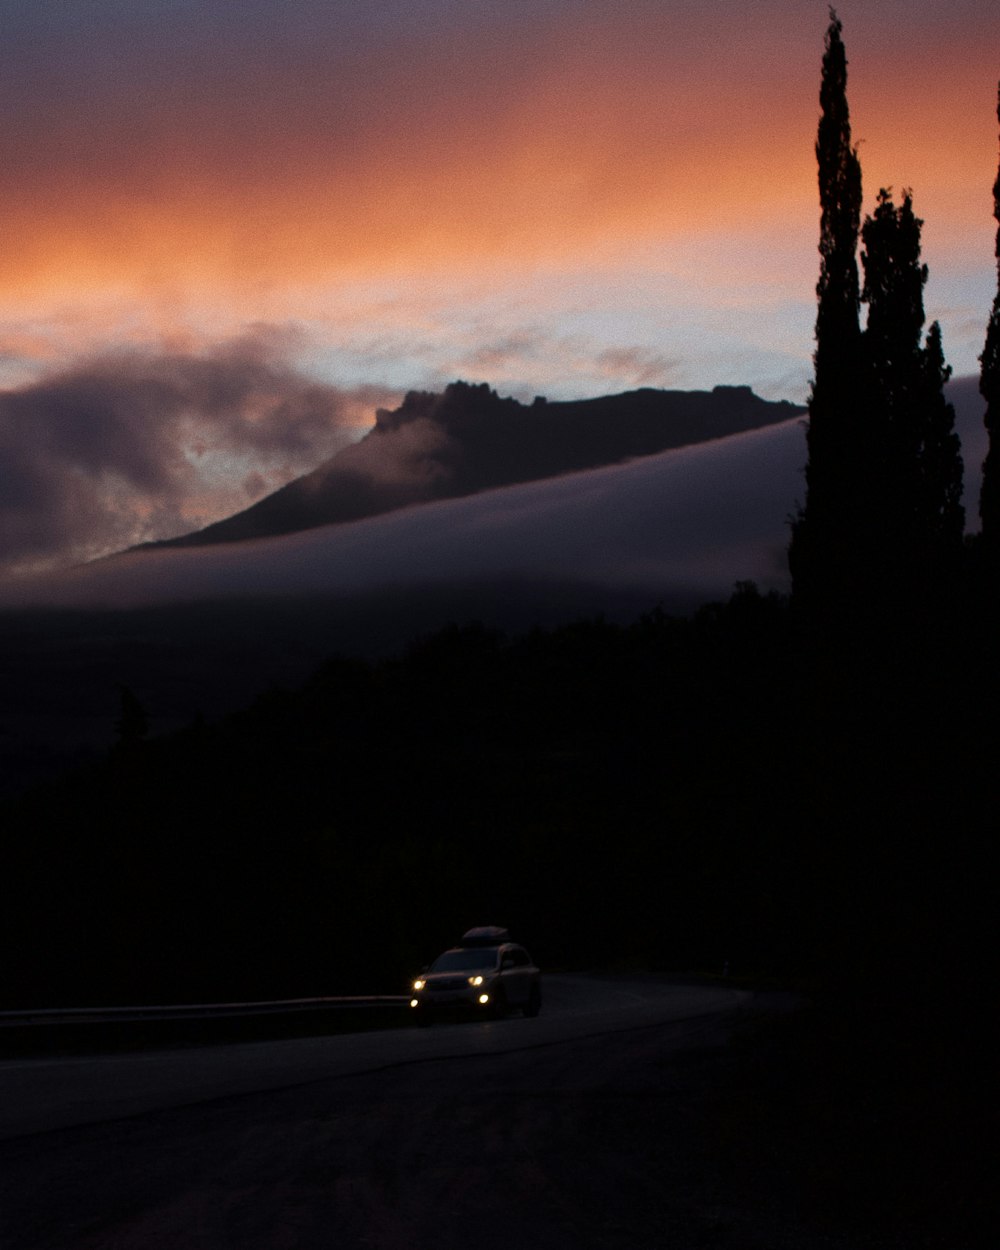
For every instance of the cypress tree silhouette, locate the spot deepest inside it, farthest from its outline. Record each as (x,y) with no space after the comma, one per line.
(916,511)
(893,291)
(989,386)
(940,467)
(883,513)
(829,525)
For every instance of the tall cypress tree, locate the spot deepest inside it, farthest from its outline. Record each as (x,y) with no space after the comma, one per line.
(917,519)
(893,374)
(940,466)
(989,386)
(827,528)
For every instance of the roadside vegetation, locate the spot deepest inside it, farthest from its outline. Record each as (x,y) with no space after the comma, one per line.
(721,793)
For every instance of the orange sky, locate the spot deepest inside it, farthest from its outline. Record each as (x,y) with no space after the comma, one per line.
(569,197)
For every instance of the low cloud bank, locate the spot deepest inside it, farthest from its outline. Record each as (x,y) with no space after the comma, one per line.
(970,408)
(681,526)
(688,522)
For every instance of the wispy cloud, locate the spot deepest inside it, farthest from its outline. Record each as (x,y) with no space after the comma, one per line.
(640,366)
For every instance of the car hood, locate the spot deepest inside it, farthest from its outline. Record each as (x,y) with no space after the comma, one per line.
(461,974)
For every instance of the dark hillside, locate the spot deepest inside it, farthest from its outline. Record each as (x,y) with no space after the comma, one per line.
(726,789)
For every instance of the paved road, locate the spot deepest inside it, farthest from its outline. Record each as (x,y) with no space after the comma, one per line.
(39,1095)
(584,1129)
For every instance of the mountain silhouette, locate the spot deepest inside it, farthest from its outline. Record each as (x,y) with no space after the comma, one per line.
(468,439)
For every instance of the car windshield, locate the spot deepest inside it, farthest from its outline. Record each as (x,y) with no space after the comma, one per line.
(465,960)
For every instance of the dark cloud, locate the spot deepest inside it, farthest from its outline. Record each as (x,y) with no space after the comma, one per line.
(138,444)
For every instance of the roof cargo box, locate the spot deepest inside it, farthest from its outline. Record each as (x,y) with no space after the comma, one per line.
(485,935)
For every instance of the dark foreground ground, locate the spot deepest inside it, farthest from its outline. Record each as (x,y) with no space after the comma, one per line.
(753,1131)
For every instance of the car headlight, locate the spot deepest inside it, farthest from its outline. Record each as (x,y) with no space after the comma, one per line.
(419,984)
(476,980)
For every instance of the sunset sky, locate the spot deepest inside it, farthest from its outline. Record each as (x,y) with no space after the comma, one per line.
(229,231)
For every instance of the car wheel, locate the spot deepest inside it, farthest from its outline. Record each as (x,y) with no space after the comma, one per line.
(499,1007)
(534,1003)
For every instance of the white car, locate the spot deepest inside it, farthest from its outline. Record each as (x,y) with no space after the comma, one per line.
(485,974)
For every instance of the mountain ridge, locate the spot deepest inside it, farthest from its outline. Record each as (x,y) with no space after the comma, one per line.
(467,439)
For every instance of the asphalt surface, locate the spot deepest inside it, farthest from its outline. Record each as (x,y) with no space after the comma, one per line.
(38,1095)
(578,1129)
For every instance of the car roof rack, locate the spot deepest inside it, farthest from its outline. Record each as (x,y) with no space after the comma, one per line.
(485,935)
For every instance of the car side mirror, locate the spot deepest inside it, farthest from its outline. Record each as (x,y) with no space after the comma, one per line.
(507,961)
